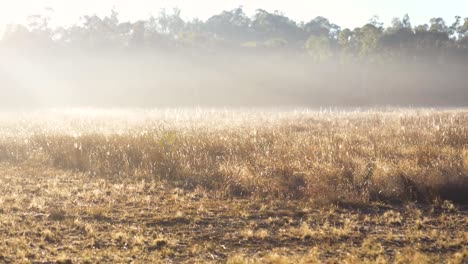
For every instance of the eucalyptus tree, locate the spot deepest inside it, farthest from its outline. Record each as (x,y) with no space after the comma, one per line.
(231,25)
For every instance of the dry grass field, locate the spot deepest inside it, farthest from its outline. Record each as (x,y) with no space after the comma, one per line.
(235,186)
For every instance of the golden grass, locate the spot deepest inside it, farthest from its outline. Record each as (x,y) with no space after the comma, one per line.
(49,215)
(396,155)
(210,186)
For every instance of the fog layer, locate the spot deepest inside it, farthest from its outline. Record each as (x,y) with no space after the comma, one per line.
(222,79)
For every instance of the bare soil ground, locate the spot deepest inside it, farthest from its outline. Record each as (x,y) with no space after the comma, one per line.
(51,215)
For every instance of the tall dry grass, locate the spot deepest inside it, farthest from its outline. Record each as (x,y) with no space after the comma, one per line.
(393,155)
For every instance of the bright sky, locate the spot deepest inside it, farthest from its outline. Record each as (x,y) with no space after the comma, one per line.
(346,13)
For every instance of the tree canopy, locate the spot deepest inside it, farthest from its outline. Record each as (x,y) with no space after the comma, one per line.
(233,29)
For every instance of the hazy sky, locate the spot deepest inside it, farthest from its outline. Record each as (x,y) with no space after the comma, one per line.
(346,13)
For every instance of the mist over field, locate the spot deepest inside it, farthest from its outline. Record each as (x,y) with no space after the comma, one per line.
(144,79)
(232,60)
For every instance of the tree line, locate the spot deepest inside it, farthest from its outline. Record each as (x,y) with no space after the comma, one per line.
(318,38)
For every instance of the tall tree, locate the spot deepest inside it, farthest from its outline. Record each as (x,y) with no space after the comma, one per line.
(275,26)
(171,24)
(399,37)
(321,27)
(232,25)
